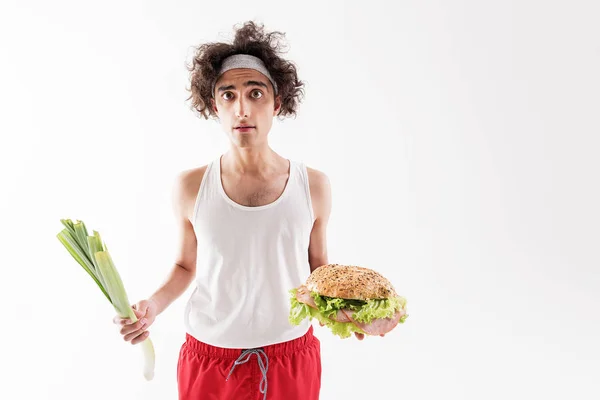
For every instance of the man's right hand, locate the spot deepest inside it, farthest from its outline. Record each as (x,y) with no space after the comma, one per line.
(136,332)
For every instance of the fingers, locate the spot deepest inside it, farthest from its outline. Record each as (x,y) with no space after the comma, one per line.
(133,335)
(138,311)
(129,328)
(118,320)
(139,338)
(361,336)
(134,332)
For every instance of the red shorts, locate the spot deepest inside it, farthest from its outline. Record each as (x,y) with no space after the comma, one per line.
(290,370)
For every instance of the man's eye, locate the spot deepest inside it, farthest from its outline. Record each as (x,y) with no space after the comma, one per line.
(257,94)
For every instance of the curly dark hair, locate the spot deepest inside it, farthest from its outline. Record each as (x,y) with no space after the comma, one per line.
(249,39)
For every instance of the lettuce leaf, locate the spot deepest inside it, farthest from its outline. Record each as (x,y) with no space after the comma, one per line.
(365,311)
(299,311)
(329,306)
(341,329)
(379,308)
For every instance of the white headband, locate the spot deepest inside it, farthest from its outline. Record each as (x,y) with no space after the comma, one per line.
(244,61)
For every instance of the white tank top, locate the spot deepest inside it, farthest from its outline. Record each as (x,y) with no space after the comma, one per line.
(248,259)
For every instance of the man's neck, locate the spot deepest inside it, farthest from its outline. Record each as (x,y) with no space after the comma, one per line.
(250,161)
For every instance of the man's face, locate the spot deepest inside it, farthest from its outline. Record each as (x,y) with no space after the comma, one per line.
(244,97)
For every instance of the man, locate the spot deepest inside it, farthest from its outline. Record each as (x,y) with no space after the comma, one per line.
(252,225)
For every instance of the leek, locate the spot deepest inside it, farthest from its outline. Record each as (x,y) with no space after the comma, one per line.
(92,254)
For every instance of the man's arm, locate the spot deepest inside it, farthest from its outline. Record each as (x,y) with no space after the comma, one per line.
(320,193)
(183,272)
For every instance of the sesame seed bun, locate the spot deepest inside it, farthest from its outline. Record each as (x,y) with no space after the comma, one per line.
(349,282)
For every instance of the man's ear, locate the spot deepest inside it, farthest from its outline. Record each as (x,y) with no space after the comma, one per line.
(277,105)
(214,106)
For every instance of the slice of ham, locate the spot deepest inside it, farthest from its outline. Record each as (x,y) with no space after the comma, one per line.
(303,296)
(342,315)
(379,326)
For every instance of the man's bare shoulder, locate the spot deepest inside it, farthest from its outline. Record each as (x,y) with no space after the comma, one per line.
(320,193)
(191,176)
(186,187)
(318,181)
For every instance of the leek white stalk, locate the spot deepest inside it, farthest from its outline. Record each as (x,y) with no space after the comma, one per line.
(92,254)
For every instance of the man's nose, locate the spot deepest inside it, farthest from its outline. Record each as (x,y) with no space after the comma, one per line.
(241,108)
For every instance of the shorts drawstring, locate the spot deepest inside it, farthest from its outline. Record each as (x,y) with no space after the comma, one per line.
(264,366)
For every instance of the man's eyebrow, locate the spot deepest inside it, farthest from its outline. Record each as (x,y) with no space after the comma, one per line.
(249,83)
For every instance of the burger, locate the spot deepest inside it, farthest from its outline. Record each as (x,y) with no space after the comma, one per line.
(348,299)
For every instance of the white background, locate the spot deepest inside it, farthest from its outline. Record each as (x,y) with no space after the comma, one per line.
(461,141)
